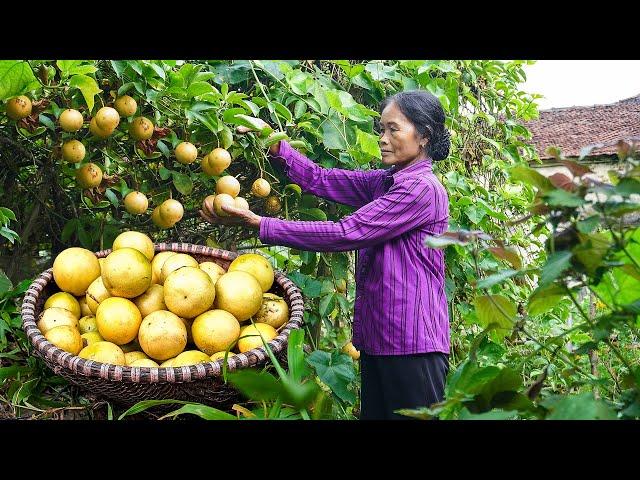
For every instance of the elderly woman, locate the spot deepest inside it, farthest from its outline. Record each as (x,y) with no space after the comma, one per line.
(401,322)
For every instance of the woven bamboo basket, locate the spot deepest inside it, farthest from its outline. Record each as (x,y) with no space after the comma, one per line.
(201,383)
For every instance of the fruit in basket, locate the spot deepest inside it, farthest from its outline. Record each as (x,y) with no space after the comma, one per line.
(188,322)
(131,357)
(212,269)
(167,363)
(151,301)
(87,324)
(188,292)
(55,317)
(162,335)
(220,355)
(239,293)
(104,352)
(137,240)
(252,333)
(74,269)
(215,330)
(64,300)
(91,337)
(156,266)
(127,273)
(136,203)
(256,265)
(118,320)
(144,362)
(274,311)
(190,357)
(65,337)
(175,262)
(96,293)
(132,346)
(84,308)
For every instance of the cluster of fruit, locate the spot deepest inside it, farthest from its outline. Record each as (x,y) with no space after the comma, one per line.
(138,308)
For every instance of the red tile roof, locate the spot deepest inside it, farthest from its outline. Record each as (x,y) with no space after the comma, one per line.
(573,128)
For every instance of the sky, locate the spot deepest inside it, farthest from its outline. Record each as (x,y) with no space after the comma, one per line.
(567,83)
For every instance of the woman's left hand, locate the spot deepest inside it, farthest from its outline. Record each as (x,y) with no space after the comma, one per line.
(237,216)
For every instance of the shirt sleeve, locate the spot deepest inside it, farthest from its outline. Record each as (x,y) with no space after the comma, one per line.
(350,187)
(406,206)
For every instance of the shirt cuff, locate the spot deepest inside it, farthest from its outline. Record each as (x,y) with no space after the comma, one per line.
(284,157)
(264,230)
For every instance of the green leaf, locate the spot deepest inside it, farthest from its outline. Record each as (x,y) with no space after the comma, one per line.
(627,187)
(70,227)
(202,411)
(336,371)
(16,78)
(295,355)
(532,177)
(87,86)
(47,122)
(588,225)
(544,299)
(300,82)
(368,143)
(182,182)
(294,188)
(333,138)
(490,415)
(557,263)
(163,171)
(5,283)
(496,278)
(112,197)
(119,66)
(577,407)
(312,288)
(327,304)
(312,214)
(495,309)
(146,404)
(562,198)
(7,213)
(199,88)
(257,385)
(282,111)
(475,213)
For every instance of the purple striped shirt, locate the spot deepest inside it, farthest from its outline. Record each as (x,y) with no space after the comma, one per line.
(400,306)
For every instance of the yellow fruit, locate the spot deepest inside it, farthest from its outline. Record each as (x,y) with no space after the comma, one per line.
(341,285)
(64,300)
(144,362)
(241,203)
(171,211)
(190,357)
(136,240)
(220,200)
(96,293)
(107,119)
(167,363)
(155,217)
(55,317)
(175,262)
(188,292)
(229,185)
(141,128)
(132,346)
(74,269)
(19,107)
(118,320)
(96,131)
(151,301)
(101,261)
(256,265)
(127,273)
(130,357)
(188,322)
(217,161)
(87,324)
(91,337)
(73,151)
(215,330)
(186,153)
(351,351)
(272,204)
(156,266)
(162,335)
(274,311)
(212,269)
(103,352)
(251,334)
(261,188)
(207,204)
(206,167)
(136,203)
(238,293)
(71,120)
(89,175)
(84,308)
(125,106)
(220,355)
(65,337)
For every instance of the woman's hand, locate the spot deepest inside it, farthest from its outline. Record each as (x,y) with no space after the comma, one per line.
(273,149)
(237,216)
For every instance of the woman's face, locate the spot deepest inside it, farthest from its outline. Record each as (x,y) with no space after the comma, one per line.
(399,139)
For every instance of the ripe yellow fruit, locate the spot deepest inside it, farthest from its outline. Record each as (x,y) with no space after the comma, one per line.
(220,200)
(127,273)
(125,106)
(136,203)
(217,161)
(256,265)
(156,266)
(190,357)
(215,330)
(89,175)
(186,153)
(212,269)
(55,317)
(118,320)
(151,301)
(238,293)
(96,131)
(64,300)
(229,185)
(137,240)
(162,335)
(351,351)
(167,363)
(274,311)
(272,204)
(144,362)
(107,119)
(188,322)
(241,203)
(84,308)
(252,333)
(130,357)
(188,292)
(88,324)
(74,269)
(261,188)
(96,293)
(175,262)
(19,107)
(103,352)
(155,217)
(132,346)
(141,128)
(71,120)
(220,356)
(73,151)
(171,211)
(65,337)
(91,337)
(101,261)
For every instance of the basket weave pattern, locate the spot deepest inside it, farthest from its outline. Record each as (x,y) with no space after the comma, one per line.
(127,385)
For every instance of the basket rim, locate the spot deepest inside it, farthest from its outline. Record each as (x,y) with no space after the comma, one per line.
(73,364)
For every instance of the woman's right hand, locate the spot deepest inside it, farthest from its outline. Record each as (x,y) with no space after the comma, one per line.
(273,149)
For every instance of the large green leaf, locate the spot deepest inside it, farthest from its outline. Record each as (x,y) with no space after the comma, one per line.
(5,283)
(557,263)
(295,355)
(87,86)
(336,371)
(182,182)
(495,309)
(578,407)
(368,143)
(496,278)
(16,78)
(203,411)
(532,177)
(257,385)
(333,136)
(545,298)
(75,67)
(562,198)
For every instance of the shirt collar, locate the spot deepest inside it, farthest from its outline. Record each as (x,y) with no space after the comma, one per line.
(423,165)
